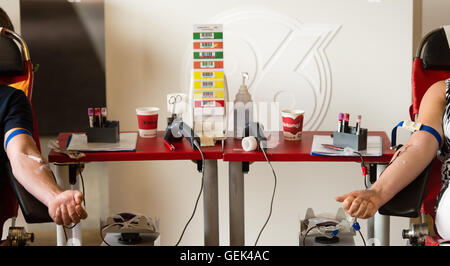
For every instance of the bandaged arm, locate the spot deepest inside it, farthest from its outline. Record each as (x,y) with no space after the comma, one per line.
(420,149)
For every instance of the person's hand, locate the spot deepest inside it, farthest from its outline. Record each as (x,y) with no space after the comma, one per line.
(65,208)
(361,204)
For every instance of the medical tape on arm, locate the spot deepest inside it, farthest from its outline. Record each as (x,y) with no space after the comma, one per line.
(15,133)
(413,127)
(39,160)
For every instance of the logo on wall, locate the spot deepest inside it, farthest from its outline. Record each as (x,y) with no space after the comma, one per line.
(285,57)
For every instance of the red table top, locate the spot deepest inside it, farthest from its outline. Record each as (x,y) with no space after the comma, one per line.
(299,151)
(147,149)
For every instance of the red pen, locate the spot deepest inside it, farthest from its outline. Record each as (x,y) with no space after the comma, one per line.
(169,146)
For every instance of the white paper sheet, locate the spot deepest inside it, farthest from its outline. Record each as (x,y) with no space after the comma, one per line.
(78,142)
(374,147)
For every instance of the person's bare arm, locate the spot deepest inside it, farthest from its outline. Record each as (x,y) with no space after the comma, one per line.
(409,161)
(33,172)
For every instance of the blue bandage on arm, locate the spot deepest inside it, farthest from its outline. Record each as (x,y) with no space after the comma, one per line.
(15,133)
(413,126)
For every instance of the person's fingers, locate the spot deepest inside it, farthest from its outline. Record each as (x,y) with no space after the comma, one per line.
(369,211)
(57,216)
(341,198)
(72,214)
(355,206)
(78,197)
(347,203)
(362,209)
(65,216)
(81,211)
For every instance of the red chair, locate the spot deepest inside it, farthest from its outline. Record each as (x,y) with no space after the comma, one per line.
(431,64)
(16,70)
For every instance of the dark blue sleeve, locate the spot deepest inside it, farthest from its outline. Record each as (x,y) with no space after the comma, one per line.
(18,113)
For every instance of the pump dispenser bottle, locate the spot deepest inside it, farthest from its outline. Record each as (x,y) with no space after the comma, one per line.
(243,108)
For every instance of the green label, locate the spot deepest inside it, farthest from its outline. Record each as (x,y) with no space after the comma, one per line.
(208,55)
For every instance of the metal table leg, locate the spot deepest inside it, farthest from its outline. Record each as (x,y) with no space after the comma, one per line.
(236,190)
(211,203)
(382,222)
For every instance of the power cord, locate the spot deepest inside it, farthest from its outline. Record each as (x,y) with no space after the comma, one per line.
(273,194)
(363,168)
(199,194)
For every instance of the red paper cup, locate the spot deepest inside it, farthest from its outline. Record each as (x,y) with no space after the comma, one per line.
(147,121)
(292,124)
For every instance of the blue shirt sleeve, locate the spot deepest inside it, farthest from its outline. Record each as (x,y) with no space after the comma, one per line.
(18,113)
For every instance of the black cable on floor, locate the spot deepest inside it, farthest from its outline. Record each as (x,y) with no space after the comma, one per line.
(199,194)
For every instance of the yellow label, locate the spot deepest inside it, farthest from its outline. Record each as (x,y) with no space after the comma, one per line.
(208,74)
(208,94)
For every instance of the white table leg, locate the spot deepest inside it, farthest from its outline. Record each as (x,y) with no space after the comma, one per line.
(382,222)
(74,235)
(76,239)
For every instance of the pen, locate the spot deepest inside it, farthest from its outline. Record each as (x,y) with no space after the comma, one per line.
(169,146)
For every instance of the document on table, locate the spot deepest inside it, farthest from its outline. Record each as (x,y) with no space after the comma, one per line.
(78,142)
(374,147)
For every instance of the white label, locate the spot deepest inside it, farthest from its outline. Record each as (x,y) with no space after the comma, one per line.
(207,54)
(207,35)
(206,45)
(207,74)
(207,64)
(206,84)
(208,103)
(207,94)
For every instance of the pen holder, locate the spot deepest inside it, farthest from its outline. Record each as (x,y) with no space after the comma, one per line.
(109,134)
(350,139)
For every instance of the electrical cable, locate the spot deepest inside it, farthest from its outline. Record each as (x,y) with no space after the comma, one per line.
(355,226)
(273,194)
(199,194)
(363,168)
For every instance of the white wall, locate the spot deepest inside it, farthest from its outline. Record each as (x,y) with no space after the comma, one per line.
(12,8)
(434,14)
(369,62)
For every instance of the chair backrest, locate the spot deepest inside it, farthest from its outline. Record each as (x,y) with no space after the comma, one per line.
(431,64)
(16,70)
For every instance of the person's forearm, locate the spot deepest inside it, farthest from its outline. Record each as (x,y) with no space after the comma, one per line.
(417,153)
(35,176)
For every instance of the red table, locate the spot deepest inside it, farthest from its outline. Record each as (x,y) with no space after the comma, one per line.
(292,151)
(147,149)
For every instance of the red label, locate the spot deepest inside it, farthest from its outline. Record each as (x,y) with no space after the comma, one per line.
(148,121)
(293,125)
